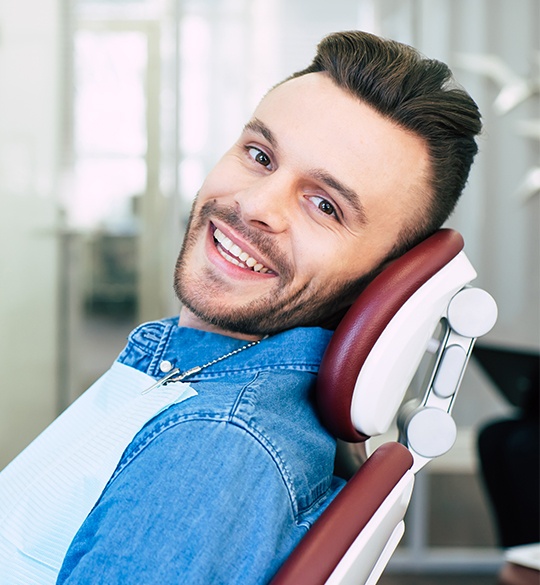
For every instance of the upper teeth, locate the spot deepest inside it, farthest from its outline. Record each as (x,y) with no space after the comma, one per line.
(236,252)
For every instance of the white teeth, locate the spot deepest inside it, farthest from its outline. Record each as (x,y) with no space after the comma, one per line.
(226,243)
(236,252)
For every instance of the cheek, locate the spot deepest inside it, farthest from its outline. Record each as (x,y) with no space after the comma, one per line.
(322,258)
(336,259)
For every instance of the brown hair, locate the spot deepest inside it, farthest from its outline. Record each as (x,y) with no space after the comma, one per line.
(418,94)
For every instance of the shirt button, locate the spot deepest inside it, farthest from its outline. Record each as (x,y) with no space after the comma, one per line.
(165,366)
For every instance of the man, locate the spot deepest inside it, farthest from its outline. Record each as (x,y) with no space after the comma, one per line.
(341,168)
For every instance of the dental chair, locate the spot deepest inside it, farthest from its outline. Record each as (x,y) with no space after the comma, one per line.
(420,304)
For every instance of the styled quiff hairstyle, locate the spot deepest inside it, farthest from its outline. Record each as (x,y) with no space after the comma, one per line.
(418,94)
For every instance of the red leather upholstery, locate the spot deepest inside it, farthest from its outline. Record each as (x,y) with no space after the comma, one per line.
(365,321)
(321,549)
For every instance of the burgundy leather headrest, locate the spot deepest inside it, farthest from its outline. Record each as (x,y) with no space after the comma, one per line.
(366,320)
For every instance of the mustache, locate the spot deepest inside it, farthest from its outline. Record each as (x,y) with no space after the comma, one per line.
(260,240)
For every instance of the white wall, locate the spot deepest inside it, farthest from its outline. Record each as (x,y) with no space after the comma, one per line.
(29,139)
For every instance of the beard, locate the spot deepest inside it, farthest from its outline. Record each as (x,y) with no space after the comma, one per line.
(283,308)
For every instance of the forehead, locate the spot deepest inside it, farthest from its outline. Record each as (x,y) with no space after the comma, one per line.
(318,125)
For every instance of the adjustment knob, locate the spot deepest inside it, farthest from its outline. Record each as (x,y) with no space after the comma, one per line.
(472,312)
(431,432)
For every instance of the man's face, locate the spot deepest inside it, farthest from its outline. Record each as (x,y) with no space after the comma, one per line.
(311,198)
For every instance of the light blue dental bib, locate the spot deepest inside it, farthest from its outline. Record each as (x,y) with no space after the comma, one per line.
(49,489)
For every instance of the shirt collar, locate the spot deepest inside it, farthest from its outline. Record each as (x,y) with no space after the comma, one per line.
(299,348)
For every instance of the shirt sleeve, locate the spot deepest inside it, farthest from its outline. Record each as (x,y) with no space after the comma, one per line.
(202,502)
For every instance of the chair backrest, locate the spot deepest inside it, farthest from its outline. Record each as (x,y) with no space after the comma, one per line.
(364,375)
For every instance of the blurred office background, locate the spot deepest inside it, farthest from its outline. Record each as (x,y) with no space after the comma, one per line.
(111,114)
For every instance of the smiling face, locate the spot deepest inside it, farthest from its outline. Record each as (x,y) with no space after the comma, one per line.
(309,200)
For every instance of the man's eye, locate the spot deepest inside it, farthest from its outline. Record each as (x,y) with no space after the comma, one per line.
(324,206)
(259,156)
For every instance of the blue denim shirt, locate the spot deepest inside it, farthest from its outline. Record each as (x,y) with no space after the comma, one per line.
(219,488)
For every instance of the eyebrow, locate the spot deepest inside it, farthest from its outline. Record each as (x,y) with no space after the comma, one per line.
(255,125)
(259,127)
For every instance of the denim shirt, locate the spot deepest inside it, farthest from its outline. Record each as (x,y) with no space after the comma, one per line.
(221,487)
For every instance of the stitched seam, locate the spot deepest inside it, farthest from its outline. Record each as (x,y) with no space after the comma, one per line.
(161,347)
(267,445)
(256,368)
(146,347)
(240,395)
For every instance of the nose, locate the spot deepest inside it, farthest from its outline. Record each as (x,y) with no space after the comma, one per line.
(268,202)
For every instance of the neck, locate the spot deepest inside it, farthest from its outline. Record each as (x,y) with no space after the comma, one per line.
(189,319)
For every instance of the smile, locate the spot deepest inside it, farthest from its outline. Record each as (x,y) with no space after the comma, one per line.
(235,255)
